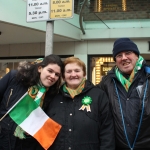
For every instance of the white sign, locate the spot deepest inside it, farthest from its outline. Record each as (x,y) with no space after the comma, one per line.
(44,10)
(37,10)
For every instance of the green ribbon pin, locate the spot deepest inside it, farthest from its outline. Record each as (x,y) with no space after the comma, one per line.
(86,101)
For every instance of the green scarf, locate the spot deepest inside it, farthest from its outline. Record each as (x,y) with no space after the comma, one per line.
(127,82)
(37,93)
(77,91)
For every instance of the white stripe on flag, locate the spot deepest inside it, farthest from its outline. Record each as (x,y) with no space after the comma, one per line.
(39,95)
(34,121)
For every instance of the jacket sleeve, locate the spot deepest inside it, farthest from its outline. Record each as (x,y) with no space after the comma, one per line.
(4,83)
(107,137)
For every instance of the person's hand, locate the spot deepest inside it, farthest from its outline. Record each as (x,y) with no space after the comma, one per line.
(26,133)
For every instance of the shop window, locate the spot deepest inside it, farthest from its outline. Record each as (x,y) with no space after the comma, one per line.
(9,64)
(99,67)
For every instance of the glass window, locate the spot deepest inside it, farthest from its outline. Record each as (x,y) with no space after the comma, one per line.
(7,64)
(99,67)
(10,64)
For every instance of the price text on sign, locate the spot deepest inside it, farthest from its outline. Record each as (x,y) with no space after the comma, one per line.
(61,9)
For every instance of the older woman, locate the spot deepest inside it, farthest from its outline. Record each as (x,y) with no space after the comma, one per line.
(83,111)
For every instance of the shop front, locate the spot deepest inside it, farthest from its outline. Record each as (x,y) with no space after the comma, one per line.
(8,64)
(100,65)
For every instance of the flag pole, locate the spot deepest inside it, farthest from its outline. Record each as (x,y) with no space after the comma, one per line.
(12,107)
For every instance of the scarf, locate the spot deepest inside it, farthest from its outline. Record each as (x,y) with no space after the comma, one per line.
(127,82)
(37,93)
(75,92)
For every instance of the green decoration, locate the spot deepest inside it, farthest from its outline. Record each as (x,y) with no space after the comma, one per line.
(86,100)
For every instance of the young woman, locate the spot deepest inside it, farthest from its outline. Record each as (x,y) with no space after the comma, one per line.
(42,74)
(83,111)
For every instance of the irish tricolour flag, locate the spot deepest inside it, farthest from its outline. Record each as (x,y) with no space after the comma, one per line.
(32,119)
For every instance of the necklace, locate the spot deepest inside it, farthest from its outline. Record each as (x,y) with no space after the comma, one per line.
(122,116)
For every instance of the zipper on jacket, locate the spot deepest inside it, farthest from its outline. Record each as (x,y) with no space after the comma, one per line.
(9,96)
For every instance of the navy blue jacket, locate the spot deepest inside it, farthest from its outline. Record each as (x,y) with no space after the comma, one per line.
(10,91)
(131,103)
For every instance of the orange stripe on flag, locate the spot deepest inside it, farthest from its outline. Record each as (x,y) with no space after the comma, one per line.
(47,134)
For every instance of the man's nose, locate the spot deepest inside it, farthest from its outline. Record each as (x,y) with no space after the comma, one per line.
(124,56)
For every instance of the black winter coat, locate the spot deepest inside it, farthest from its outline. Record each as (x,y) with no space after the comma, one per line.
(10,92)
(131,103)
(82,130)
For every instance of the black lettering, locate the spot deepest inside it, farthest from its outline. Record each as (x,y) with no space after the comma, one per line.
(34,12)
(56,2)
(44,12)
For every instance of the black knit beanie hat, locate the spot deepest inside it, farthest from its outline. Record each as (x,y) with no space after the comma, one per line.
(124,44)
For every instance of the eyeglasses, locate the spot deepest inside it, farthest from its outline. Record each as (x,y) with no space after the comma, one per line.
(120,55)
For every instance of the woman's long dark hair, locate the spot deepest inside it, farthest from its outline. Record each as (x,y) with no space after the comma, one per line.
(28,72)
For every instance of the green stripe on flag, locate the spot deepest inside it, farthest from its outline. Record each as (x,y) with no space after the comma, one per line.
(23,109)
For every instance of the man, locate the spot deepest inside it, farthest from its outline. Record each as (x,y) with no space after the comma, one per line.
(128,88)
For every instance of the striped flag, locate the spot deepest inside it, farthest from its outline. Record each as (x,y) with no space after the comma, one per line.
(32,119)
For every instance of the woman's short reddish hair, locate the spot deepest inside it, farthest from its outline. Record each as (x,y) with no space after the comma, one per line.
(76,60)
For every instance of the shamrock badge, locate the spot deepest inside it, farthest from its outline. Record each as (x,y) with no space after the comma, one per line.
(86,101)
